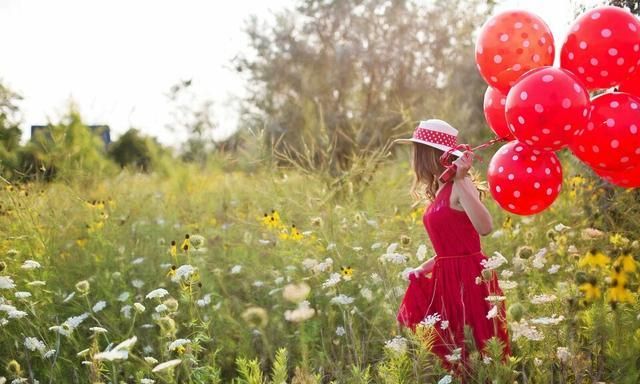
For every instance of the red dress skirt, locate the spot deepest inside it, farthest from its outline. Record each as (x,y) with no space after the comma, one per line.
(454,295)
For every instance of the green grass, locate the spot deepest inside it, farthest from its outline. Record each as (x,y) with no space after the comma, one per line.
(232,310)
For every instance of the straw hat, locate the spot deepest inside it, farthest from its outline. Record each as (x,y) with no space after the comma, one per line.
(435,133)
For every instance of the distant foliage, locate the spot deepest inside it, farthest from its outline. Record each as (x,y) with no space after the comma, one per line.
(132,149)
(10,132)
(331,80)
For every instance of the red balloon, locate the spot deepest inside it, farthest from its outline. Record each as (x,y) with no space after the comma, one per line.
(494,102)
(631,84)
(602,47)
(546,107)
(629,178)
(511,43)
(524,180)
(611,140)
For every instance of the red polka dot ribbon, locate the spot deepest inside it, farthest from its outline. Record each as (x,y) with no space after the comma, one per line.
(435,137)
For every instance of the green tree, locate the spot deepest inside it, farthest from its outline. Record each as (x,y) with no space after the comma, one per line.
(332,80)
(10,132)
(131,149)
(67,150)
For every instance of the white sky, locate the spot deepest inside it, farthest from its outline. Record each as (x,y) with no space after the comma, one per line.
(117,59)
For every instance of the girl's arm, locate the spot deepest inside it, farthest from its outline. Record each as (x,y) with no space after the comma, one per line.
(470,200)
(426,267)
(470,197)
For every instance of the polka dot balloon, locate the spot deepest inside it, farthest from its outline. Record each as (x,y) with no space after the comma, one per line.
(625,178)
(509,44)
(631,84)
(494,103)
(524,180)
(611,140)
(602,47)
(547,107)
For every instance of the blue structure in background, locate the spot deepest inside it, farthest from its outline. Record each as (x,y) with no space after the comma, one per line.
(100,130)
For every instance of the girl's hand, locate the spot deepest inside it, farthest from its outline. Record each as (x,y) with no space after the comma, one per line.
(463,164)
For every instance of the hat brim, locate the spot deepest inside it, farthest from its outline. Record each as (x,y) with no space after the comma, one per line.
(438,146)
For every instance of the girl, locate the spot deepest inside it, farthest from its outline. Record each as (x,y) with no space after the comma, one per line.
(450,290)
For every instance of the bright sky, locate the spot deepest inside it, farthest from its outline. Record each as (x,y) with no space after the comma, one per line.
(117,59)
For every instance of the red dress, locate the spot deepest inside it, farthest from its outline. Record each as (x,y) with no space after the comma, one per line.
(451,293)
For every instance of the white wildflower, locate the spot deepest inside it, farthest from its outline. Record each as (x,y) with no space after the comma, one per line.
(49,353)
(497,233)
(398,344)
(236,269)
(151,360)
(137,283)
(147,381)
(392,256)
(444,324)
(6,282)
(553,320)
(98,330)
(178,343)
(421,254)
(112,355)
(157,293)
(542,299)
(126,311)
(342,299)
(375,278)
(356,248)
(303,312)
(333,279)
(183,272)
(99,306)
(22,295)
(494,261)
(431,320)
(367,294)
(69,297)
(331,246)
(506,274)
(206,300)
(561,227)
(34,344)
(553,269)
(445,380)
(493,312)
(139,260)
(123,296)
(340,331)
(166,365)
(523,329)
(258,283)
(30,264)
(16,314)
(507,284)
(455,356)
(161,308)
(539,260)
(36,283)
(494,298)
(139,308)
(376,246)
(323,266)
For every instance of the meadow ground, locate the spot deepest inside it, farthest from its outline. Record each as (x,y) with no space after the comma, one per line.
(283,280)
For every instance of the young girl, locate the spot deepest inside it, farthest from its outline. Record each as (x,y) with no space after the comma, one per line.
(450,290)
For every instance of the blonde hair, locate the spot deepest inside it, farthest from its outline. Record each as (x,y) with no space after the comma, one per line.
(427,168)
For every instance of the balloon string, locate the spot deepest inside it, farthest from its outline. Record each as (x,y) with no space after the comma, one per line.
(450,169)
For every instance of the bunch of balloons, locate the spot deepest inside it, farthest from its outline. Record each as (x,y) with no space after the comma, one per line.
(540,109)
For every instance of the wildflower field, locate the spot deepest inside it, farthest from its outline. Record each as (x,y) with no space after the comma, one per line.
(271,276)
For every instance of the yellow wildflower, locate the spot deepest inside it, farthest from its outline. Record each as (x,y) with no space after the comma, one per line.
(81,242)
(173,250)
(172,271)
(508,224)
(185,244)
(590,290)
(594,258)
(347,272)
(295,234)
(617,240)
(627,262)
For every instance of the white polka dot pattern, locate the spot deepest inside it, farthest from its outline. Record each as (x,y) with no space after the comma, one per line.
(546,107)
(601,47)
(511,43)
(611,140)
(524,180)
(436,137)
